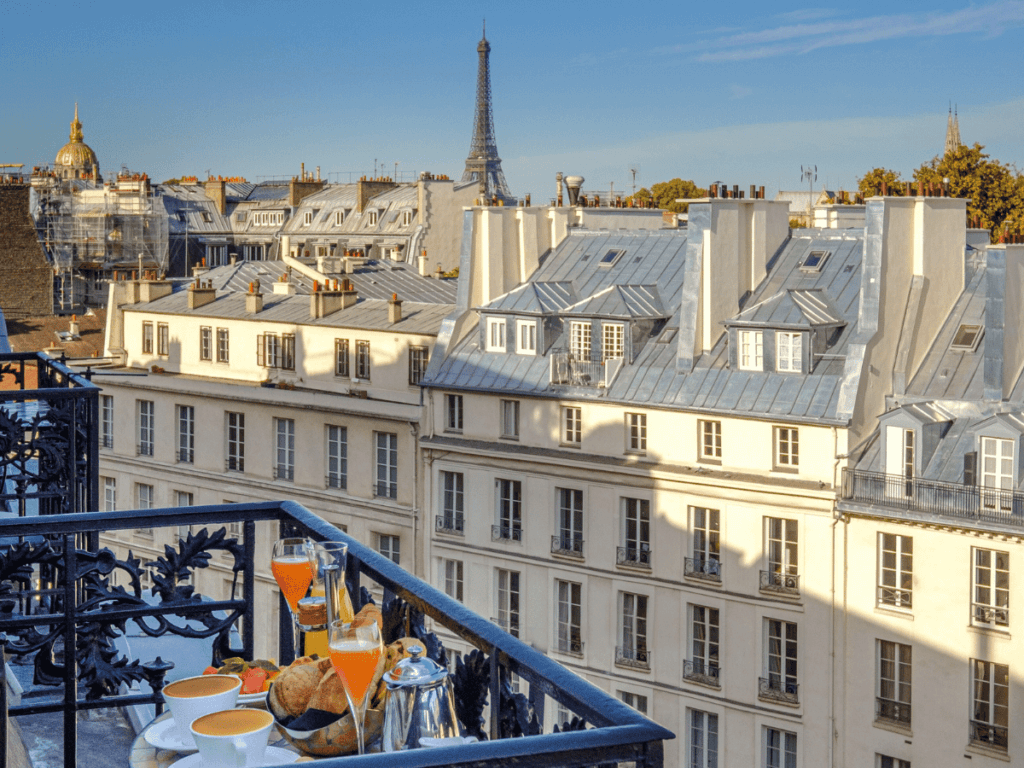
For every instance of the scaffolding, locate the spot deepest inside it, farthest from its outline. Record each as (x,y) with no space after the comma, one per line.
(89,232)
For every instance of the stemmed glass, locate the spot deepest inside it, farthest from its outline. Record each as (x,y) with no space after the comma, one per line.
(356,649)
(293,565)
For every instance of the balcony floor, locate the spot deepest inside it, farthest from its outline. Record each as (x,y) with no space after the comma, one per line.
(104,739)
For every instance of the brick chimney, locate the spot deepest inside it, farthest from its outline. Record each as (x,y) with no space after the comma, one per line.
(254,299)
(151,290)
(369,189)
(394,309)
(215,190)
(200,294)
(331,298)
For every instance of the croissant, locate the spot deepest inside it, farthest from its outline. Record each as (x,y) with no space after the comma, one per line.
(294,687)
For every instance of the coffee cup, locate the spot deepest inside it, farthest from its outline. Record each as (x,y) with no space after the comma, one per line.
(194,697)
(233,738)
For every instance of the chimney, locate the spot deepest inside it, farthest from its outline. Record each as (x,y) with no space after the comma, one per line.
(200,294)
(151,290)
(73,327)
(439,273)
(215,190)
(394,309)
(1004,319)
(424,269)
(254,299)
(573,184)
(331,298)
(558,188)
(282,287)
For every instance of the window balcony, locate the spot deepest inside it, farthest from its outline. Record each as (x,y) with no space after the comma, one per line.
(706,569)
(385,490)
(107,441)
(144,449)
(699,671)
(780,583)
(566,369)
(990,614)
(632,656)
(235,464)
(571,646)
(335,481)
(186,455)
(283,472)
(897,598)
(633,557)
(890,711)
(569,546)
(988,735)
(452,525)
(775,688)
(506,533)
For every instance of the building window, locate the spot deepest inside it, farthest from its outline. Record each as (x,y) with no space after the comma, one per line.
(634,700)
(206,343)
(510,510)
(526,337)
(147,337)
(495,334)
(373,218)
(452,503)
(363,360)
(254,252)
(633,651)
(895,570)
(183,498)
(990,715)
(341,358)
(636,432)
(636,533)
(163,339)
(706,561)
(510,419)
(406,218)
(572,428)
(884,761)
(779,748)
(751,357)
(709,436)
(417,364)
(339,218)
(788,354)
(703,740)
(569,539)
(781,542)
(236,442)
(273,351)
(991,604)
(612,335)
(507,600)
(579,339)
(284,436)
(569,620)
(109,494)
(779,682)
(307,218)
(452,574)
(389,546)
(703,666)
(143,496)
(216,255)
(186,433)
(106,421)
(997,474)
(146,427)
(387,465)
(222,345)
(893,702)
(453,413)
(337,456)
(787,448)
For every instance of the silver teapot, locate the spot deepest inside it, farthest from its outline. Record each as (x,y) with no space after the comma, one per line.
(420,703)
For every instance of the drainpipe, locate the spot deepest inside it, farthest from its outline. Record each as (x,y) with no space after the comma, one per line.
(414,431)
(836,518)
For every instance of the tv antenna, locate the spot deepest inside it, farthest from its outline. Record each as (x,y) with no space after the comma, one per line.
(634,170)
(810,175)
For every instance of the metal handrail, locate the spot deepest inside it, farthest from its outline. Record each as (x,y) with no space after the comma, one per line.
(571,546)
(893,711)
(638,557)
(506,532)
(784,583)
(450,524)
(708,568)
(778,688)
(700,671)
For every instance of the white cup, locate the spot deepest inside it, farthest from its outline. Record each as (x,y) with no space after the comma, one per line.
(194,697)
(233,738)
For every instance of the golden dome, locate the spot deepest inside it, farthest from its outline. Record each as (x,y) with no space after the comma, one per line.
(76,154)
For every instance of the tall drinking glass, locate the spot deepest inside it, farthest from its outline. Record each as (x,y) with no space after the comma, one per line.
(356,651)
(293,565)
(329,580)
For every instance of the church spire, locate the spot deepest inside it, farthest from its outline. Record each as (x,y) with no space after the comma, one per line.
(483,164)
(76,127)
(952,132)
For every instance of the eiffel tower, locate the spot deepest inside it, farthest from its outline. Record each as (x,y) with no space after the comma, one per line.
(483,163)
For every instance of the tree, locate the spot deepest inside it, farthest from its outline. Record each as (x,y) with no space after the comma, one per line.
(665,194)
(870,184)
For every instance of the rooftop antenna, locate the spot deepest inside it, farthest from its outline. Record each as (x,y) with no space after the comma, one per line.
(634,170)
(810,175)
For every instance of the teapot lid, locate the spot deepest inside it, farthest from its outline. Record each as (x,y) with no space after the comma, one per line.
(415,671)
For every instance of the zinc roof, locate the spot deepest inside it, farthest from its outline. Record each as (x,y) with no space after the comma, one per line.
(792,307)
(535,298)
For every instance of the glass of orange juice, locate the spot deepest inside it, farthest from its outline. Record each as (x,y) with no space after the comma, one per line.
(293,567)
(356,650)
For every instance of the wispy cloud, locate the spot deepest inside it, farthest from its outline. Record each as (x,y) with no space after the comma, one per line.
(813,32)
(739,91)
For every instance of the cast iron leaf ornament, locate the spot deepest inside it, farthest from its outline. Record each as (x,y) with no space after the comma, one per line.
(472,676)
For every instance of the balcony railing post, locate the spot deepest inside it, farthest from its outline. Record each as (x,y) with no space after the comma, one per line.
(495,686)
(3,699)
(249,588)
(70,644)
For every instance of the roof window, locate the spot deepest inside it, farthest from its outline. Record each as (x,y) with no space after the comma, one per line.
(240,217)
(967,338)
(206,216)
(611,257)
(814,261)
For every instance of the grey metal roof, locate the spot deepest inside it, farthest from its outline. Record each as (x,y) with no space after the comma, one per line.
(535,298)
(268,190)
(621,301)
(792,307)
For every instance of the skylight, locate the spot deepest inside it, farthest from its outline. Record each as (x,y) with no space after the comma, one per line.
(967,337)
(611,257)
(814,261)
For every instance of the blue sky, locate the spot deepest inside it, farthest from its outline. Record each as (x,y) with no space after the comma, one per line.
(743,92)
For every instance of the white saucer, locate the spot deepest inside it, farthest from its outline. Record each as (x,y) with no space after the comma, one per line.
(249,699)
(273,756)
(166,735)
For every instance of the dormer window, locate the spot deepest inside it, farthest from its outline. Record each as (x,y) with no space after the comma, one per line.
(967,338)
(526,337)
(814,261)
(612,335)
(579,339)
(406,218)
(339,218)
(373,219)
(788,352)
(307,218)
(751,357)
(996,473)
(495,334)
(207,218)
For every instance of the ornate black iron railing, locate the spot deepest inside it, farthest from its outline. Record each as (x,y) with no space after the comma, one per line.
(508,532)
(49,441)
(572,644)
(988,735)
(990,614)
(451,524)
(85,611)
(700,671)
(570,546)
(633,656)
(968,503)
(634,557)
(893,711)
(782,583)
(775,688)
(707,569)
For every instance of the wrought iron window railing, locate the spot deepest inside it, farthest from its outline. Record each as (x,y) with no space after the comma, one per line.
(81,609)
(782,583)
(284,472)
(506,532)
(186,455)
(775,688)
(898,598)
(144,449)
(988,735)
(385,490)
(450,524)
(633,556)
(510,625)
(892,711)
(633,656)
(335,481)
(571,546)
(572,645)
(700,671)
(707,569)
(234,464)
(990,614)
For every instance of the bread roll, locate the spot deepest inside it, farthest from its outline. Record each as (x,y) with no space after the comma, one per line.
(294,687)
(329,694)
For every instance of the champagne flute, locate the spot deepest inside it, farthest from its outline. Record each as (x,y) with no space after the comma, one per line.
(292,566)
(356,650)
